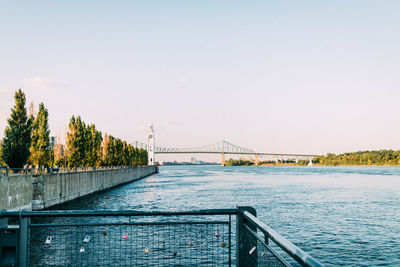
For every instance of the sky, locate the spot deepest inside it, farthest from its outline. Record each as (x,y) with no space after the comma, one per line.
(273,76)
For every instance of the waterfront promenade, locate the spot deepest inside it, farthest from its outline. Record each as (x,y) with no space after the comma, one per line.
(33,191)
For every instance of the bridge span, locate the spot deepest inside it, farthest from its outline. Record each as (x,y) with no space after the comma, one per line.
(223,148)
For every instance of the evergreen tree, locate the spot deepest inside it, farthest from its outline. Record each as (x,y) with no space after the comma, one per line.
(76,142)
(40,146)
(1,152)
(142,157)
(110,157)
(17,135)
(93,146)
(86,147)
(136,156)
(132,155)
(104,150)
(71,143)
(125,154)
(118,153)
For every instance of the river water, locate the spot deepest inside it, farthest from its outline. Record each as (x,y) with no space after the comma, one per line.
(342,216)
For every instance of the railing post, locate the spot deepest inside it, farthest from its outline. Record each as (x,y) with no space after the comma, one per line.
(23,259)
(243,245)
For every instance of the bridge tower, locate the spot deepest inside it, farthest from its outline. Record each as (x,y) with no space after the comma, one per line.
(150,146)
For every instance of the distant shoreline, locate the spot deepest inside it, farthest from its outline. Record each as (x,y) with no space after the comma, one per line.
(321,165)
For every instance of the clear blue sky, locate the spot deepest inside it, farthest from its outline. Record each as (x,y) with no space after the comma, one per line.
(275,76)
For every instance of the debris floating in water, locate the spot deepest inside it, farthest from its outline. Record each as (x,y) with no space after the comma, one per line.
(82,249)
(223,244)
(190,244)
(252,250)
(125,236)
(175,253)
(146,250)
(217,234)
(86,239)
(262,253)
(104,233)
(48,240)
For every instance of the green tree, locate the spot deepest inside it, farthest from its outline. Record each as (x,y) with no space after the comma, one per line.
(381,157)
(76,142)
(93,146)
(87,147)
(1,152)
(131,151)
(142,157)
(119,153)
(17,135)
(109,151)
(40,146)
(125,153)
(136,156)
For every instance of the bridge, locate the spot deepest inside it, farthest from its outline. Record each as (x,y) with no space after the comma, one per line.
(225,148)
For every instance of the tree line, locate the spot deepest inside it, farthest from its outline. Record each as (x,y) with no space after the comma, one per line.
(27,142)
(375,157)
(86,147)
(238,162)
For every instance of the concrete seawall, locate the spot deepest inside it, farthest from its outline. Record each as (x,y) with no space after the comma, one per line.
(38,192)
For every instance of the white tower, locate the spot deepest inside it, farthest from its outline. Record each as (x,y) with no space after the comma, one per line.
(150,146)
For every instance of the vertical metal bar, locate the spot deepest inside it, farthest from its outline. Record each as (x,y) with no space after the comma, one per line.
(266,239)
(242,242)
(229,241)
(23,259)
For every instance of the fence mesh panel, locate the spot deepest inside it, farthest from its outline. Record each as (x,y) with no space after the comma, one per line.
(131,244)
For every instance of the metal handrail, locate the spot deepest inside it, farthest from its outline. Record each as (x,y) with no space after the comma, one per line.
(110,213)
(270,249)
(295,252)
(53,170)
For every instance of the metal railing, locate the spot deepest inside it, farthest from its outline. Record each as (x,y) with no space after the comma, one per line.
(136,238)
(261,244)
(51,170)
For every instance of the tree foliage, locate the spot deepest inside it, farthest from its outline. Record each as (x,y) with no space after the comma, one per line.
(29,138)
(1,152)
(376,157)
(93,142)
(86,147)
(40,146)
(76,142)
(17,135)
(240,162)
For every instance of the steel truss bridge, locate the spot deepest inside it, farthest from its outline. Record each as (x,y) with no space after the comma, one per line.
(225,148)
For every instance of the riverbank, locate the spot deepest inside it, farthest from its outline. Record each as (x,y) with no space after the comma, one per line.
(320,165)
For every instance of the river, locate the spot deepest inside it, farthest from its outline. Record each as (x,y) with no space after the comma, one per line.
(342,216)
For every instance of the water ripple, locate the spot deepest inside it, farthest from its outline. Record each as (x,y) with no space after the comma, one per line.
(343,216)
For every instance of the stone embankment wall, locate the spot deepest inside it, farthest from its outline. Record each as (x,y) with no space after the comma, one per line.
(43,191)
(15,192)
